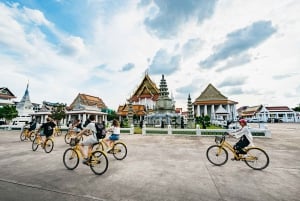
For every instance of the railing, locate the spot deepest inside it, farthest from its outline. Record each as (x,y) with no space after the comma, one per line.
(256,132)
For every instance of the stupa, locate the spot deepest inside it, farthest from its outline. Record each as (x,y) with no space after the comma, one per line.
(164,110)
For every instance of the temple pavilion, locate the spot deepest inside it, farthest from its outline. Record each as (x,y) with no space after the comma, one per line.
(213,103)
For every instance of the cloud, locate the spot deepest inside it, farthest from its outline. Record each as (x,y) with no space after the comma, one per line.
(235,91)
(127,67)
(172,15)
(237,61)
(240,41)
(164,63)
(72,46)
(283,76)
(191,47)
(233,81)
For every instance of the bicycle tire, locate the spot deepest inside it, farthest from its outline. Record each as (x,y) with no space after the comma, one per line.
(32,136)
(98,162)
(70,155)
(35,144)
(256,156)
(67,138)
(119,150)
(22,136)
(49,144)
(98,147)
(213,156)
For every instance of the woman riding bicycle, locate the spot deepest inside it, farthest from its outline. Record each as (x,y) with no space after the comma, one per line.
(245,137)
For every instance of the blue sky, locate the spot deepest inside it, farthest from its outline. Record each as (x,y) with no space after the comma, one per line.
(249,50)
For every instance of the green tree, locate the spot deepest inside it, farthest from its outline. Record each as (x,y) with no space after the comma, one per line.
(297,109)
(58,113)
(8,112)
(111,114)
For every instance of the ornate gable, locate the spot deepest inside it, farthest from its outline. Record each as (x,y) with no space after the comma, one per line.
(146,89)
(211,93)
(87,100)
(5,93)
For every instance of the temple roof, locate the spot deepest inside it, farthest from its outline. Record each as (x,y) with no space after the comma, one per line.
(139,110)
(146,89)
(5,93)
(88,100)
(212,96)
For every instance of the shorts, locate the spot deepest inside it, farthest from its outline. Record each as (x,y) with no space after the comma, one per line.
(89,140)
(114,137)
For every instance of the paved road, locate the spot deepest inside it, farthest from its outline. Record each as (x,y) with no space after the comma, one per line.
(156,168)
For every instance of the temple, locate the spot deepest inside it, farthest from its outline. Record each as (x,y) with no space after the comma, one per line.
(214,104)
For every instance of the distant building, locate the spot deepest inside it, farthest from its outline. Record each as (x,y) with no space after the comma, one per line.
(261,113)
(213,103)
(6,97)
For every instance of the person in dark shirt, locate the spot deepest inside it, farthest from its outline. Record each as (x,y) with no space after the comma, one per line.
(47,128)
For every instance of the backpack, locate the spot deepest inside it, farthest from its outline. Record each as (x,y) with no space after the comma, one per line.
(100,131)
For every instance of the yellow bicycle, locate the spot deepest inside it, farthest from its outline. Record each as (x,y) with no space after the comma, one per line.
(97,160)
(255,157)
(71,134)
(47,145)
(119,149)
(26,134)
(57,131)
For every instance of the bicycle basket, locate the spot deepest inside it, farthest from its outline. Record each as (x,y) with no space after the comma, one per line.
(218,139)
(74,141)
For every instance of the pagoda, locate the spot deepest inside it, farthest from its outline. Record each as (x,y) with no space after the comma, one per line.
(25,107)
(164,110)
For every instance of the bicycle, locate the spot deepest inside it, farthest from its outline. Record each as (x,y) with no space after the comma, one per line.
(57,131)
(119,149)
(255,157)
(97,160)
(47,145)
(71,134)
(26,134)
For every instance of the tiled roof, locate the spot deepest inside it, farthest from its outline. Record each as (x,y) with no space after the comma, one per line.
(5,93)
(146,89)
(88,100)
(212,96)
(139,110)
(278,108)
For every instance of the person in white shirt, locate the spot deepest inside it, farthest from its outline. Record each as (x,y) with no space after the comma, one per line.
(90,129)
(244,135)
(115,133)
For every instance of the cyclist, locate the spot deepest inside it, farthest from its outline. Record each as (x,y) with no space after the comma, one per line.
(244,135)
(32,125)
(115,133)
(47,128)
(77,126)
(90,130)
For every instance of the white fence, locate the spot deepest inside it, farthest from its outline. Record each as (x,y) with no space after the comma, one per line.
(256,132)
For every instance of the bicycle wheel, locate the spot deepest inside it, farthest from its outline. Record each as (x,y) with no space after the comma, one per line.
(32,136)
(98,147)
(67,138)
(58,133)
(119,151)
(35,144)
(257,158)
(217,155)
(71,159)
(22,136)
(49,144)
(98,162)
